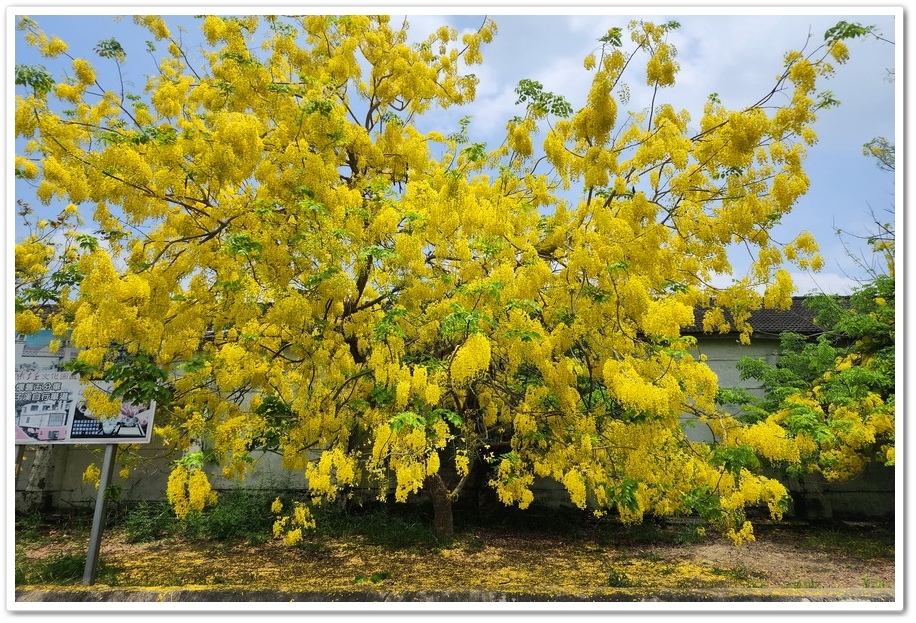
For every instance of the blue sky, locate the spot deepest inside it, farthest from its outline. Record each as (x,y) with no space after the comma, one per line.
(725,50)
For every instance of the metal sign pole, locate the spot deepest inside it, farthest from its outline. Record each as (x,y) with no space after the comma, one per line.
(98,519)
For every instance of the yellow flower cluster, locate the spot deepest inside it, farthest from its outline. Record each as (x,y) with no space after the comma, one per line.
(512,487)
(289,528)
(575,485)
(665,317)
(27,322)
(842,463)
(84,71)
(432,463)
(634,392)
(409,477)
(333,470)
(232,437)
(771,440)
(100,403)
(402,394)
(745,534)
(462,462)
(471,358)
(92,475)
(189,490)
(839,51)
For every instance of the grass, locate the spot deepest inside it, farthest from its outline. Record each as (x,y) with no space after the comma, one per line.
(377,525)
(867,582)
(62,568)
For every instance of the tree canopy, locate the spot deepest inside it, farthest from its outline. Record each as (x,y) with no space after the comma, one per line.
(289,263)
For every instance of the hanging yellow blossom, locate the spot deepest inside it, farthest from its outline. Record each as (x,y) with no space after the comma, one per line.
(189,491)
(471,358)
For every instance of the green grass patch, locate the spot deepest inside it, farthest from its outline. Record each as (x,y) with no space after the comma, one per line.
(63,568)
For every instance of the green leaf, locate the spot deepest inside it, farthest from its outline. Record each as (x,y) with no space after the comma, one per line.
(34,76)
(240,243)
(613,37)
(524,336)
(540,102)
(449,416)
(624,494)
(734,459)
(87,242)
(110,48)
(407,419)
(477,152)
(376,252)
(846,30)
(192,460)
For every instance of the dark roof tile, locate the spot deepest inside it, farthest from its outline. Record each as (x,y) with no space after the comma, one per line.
(798,319)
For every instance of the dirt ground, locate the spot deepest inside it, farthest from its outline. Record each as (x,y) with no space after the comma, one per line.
(783,556)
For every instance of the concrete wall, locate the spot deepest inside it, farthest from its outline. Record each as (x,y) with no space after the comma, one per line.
(870,495)
(722,353)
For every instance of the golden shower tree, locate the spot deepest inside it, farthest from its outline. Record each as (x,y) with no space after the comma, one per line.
(292,264)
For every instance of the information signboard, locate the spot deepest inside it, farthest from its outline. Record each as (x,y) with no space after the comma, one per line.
(49,405)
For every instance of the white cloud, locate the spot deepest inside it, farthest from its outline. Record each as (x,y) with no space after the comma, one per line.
(826,283)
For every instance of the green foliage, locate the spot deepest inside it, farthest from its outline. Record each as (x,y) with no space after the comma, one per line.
(618,579)
(540,102)
(462,321)
(476,152)
(240,514)
(279,417)
(192,460)
(407,419)
(624,494)
(240,243)
(690,535)
(836,389)
(379,525)
(734,459)
(137,379)
(861,326)
(110,48)
(375,578)
(62,568)
(613,36)
(846,30)
(149,521)
(134,376)
(28,527)
(35,77)
(705,502)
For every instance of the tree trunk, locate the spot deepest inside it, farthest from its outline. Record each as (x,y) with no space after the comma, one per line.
(443,522)
(36,497)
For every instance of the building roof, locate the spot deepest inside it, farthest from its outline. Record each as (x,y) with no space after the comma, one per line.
(797,319)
